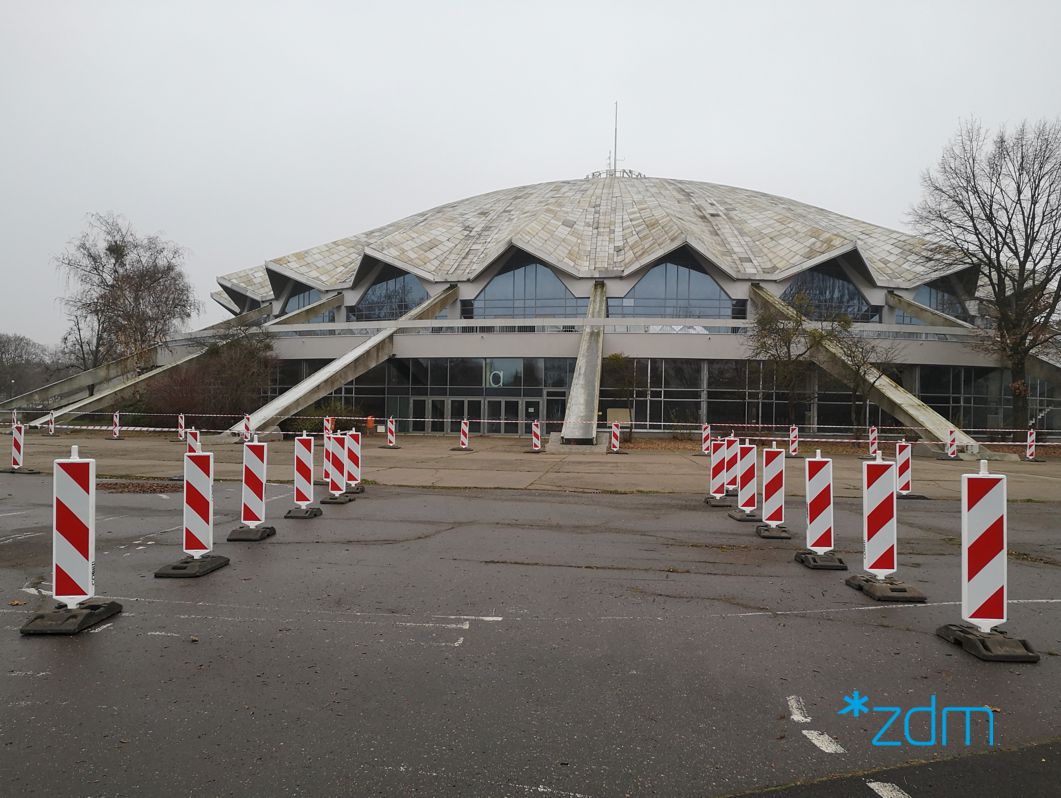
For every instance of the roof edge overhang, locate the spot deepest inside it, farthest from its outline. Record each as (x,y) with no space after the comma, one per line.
(383,257)
(234,289)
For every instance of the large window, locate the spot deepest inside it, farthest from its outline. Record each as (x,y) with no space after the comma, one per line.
(677,288)
(524,288)
(301,296)
(938,296)
(829,294)
(392,294)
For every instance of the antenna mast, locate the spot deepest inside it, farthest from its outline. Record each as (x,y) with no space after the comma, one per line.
(615,148)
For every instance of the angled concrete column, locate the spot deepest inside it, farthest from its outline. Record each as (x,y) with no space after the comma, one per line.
(580,420)
(341,370)
(886,393)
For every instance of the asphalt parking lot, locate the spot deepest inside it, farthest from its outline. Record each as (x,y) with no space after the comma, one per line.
(509,642)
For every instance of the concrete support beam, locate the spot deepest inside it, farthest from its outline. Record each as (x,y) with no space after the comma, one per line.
(341,370)
(303,315)
(580,420)
(886,393)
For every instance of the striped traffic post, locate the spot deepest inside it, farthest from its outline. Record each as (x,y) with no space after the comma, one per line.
(180,427)
(903,471)
(773,526)
(1029,447)
(392,435)
(116,426)
(614,446)
(198,537)
(255,480)
(352,459)
(462,445)
(73,552)
(731,464)
(716,486)
(329,425)
(879,536)
(194,445)
(303,479)
(952,444)
(536,436)
(246,434)
(18,446)
(51,423)
(873,443)
(335,469)
(984,577)
(818,478)
(793,441)
(705,440)
(747,469)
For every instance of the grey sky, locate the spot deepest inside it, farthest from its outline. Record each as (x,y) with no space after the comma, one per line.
(248,130)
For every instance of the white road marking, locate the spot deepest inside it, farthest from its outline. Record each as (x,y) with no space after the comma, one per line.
(797,710)
(38,674)
(22,536)
(886,790)
(20,512)
(99,629)
(824,742)
(165,634)
(491,618)
(36,591)
(437,625)
(162,495)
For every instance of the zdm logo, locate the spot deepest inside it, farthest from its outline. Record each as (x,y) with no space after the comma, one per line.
(931,722)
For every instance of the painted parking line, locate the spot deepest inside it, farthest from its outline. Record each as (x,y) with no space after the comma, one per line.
(824,742)
(797,710)
(886,790)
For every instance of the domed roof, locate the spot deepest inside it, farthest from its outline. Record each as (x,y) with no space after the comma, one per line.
(606,227)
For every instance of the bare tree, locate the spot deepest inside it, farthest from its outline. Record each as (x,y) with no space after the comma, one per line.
(24,365)
(128,292)
(867,359)
(786,341)
(619,373)
(993,201)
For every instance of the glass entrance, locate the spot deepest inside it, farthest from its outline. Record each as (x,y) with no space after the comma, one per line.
(504,416)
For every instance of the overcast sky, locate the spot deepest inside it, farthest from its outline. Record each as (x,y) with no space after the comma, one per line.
(248,130)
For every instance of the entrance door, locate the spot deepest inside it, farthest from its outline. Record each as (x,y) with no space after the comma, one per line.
(460,409)
(419,420)
(531,412)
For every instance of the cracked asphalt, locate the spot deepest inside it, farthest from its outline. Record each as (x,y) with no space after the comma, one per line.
(510,643)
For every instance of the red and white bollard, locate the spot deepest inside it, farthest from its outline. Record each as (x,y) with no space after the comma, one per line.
(952,444)
(747,468)
(18,446)
(246,428)
(73,552)
(984,577)
(614,445)
(303,479)
(717,481)
(198,520)
(731,463)
(904,473)
(392,434)
(879,537)
(705,439)
(463,446)
(773,525)
(116,426)
(353,462)
(329,425)
(818,473)
(335,469)
(793,441)
(194,446)
(873,443)
(255,480)
(51,423)
(1029,449)
(180,427)
(536,436)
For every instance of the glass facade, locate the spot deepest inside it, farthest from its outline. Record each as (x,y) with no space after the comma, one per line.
(938,296)
(830,294)
(524,288)
(677,287)
(392,294)
(302,296)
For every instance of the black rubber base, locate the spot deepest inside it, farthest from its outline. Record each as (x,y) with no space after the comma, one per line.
(459,449)
(768,532)
(612,451)
(355,490)
(723,502)
(820,562)
(951,459)
(190,567)
(385,446)
(1036,460)
(532,451)
(303,513)
(20,471)
(889,589)
(119,438)
(737,514)
(699,454)
(731,493)
(251,534)
(911,497)
(342,498)
(993,646)
(66,621)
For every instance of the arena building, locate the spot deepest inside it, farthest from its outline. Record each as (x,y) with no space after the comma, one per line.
(501,307)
